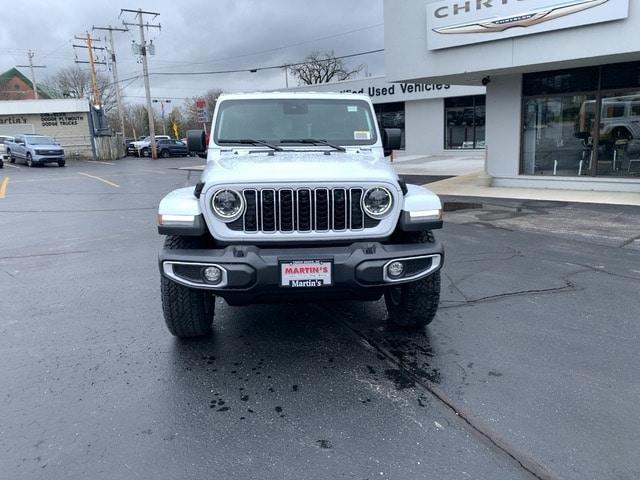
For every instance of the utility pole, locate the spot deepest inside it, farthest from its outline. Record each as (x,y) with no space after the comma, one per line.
(97,100)
(116,83)
(145,68)
(30,55)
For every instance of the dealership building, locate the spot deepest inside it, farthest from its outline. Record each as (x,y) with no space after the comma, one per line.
(562,78)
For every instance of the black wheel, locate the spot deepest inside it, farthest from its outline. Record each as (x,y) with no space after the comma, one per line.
(12,159)
(620,133)
(61,163)
(187,312)
(145,152)
(165,154)
(29,160)
(414,304)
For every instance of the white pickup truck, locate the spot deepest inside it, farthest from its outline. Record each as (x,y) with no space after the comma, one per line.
(35,150)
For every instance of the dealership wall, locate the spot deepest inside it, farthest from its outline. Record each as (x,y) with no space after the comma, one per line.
(66,120)
(503,128)
(424,126)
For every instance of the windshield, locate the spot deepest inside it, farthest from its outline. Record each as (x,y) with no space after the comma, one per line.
(40,140)
(341,122)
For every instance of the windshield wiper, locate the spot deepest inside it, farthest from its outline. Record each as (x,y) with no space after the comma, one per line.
(313,141)
(251,141)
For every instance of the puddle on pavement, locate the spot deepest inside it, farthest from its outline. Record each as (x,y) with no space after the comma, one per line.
(455,206)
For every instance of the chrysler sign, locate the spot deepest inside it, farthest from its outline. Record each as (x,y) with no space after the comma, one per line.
(451,23)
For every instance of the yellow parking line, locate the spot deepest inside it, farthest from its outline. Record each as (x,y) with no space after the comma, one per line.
(3,187)
(100,179)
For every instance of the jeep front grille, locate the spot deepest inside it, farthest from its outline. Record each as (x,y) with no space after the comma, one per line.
(303,210)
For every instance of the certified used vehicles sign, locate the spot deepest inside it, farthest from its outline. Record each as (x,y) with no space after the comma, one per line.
(305,273)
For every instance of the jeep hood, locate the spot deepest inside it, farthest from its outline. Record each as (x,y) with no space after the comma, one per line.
(298,166)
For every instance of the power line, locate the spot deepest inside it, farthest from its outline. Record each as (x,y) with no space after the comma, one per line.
(275,49)
(257,69)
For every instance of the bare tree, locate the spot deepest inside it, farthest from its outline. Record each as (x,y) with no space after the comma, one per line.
(75,82)
(323,68)
(136,123)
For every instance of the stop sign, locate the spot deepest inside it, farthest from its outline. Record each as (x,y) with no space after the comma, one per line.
(201,103)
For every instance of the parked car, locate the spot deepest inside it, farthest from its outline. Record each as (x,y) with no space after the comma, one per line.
(143,147)
(172,148)
(35,150)
(297,204)
(3,149)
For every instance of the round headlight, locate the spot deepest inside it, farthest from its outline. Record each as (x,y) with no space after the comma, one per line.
(227,204)
(377,202)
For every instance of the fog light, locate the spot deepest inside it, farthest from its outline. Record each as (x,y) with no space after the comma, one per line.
(212,275)
(395,269)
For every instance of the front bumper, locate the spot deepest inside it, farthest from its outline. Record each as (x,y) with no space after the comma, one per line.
(252,274)
(48,158)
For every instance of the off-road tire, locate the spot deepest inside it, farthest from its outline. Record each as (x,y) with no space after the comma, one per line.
(187,312)
(414,305)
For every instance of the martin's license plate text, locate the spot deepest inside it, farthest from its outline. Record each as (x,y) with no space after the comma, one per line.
(305,273)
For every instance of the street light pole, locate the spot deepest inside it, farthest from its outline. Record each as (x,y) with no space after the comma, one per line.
(162,102)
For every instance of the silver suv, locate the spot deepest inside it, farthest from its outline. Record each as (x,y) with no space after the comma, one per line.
(297,203)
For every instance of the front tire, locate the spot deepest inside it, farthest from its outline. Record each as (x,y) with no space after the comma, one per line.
(61,163)
(414,305)
(187,312)
(29,160)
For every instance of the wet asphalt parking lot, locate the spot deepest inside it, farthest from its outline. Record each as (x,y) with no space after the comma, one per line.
(530,369)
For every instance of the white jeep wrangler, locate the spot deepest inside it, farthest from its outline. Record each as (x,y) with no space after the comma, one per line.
(297,203)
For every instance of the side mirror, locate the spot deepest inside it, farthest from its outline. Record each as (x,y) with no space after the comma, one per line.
(391,140)
(196,141)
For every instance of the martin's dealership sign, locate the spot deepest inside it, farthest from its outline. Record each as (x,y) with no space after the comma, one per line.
(451,23)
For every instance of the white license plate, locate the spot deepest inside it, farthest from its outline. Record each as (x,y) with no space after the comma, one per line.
(305,273)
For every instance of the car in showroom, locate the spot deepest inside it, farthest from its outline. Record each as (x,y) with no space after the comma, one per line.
(297,203)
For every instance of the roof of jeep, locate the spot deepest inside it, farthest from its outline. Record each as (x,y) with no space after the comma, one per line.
(266,95)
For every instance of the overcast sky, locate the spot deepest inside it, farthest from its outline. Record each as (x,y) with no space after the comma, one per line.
(197,35)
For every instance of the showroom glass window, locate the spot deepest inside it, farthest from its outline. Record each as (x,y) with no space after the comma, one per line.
(391,115)
(464,122)
(561,110)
